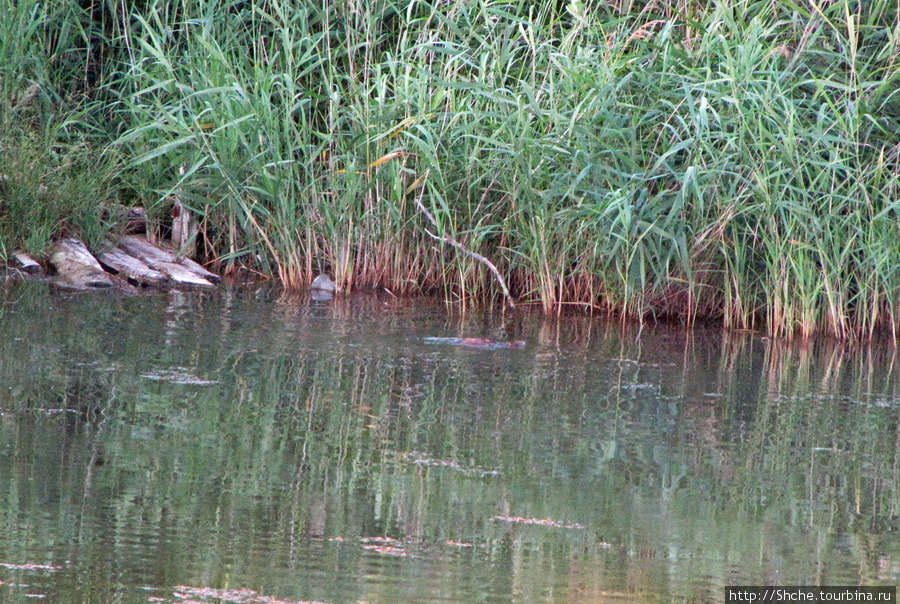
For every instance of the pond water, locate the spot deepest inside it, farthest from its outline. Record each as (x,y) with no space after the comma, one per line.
(231,447)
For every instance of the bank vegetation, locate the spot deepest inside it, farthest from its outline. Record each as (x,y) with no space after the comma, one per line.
(732,160)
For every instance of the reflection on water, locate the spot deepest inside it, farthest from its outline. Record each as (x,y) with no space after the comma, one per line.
(228,447)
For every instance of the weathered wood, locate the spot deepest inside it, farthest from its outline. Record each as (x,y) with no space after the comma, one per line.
(26,264)
(181,274)
(153,256)
(76,266)
(184,229)
(145,251)
(130,267)
(193,266)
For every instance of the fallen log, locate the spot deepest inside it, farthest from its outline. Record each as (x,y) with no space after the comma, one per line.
(144,250)
(156,257)
(129,267)
(76,267)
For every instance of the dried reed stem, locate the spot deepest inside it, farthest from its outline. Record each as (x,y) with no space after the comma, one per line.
(451,241)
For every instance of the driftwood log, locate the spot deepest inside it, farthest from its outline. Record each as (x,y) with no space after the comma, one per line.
(129,267)
(76,267)
(135,260)
(184,270)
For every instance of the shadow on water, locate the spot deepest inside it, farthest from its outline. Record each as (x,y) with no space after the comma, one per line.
(230,447)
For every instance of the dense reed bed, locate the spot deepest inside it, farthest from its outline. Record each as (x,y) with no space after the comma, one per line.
(731,160)
(56,166)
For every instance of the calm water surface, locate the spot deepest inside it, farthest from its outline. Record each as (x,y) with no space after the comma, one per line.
(230,447)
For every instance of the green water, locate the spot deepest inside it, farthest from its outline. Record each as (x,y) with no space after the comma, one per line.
(233,446)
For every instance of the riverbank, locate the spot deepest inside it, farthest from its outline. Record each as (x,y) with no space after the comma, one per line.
(734,161)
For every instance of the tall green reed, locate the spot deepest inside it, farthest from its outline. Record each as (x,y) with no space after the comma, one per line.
(697,160)
(54,174)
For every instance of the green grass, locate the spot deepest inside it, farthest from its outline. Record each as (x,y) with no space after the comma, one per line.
(731,160)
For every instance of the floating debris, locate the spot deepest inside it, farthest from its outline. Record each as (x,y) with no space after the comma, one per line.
(384,545)
(393,547)
(643,386)
(28,566)
(537,521)
(237,596)
(387,550)
(379,539)
(478,343)
(178,375)
(423,460)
